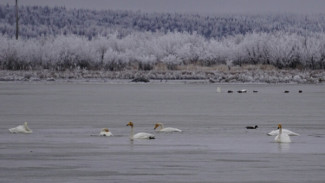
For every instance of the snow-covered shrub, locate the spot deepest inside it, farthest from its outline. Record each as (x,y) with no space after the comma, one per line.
(144,50)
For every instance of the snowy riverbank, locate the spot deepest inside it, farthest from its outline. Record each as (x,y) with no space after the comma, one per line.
(247,75)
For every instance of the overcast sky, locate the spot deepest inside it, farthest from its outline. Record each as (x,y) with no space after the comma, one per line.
(196,6)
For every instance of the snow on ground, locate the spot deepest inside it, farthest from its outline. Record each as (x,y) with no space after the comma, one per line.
(229,76)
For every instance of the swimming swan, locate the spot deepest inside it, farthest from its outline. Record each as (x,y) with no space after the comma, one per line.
(167,129)
(282,137)
(105,132)
(21,129)
(140,135)
(276,132)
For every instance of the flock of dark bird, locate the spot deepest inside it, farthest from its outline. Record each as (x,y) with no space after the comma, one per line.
(255,91)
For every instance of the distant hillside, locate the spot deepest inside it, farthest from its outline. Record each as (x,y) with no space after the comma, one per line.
(44,21)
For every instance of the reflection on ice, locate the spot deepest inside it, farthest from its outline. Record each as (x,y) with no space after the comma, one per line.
(283,147)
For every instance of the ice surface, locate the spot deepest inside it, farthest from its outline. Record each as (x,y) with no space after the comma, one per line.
(214,146)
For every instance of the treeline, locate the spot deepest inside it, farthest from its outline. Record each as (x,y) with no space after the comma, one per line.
(144,51)
(59,39)
(38,21)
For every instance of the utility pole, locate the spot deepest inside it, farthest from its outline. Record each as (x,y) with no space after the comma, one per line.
(17,18)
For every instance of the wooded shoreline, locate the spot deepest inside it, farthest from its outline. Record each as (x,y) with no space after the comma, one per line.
(248,74)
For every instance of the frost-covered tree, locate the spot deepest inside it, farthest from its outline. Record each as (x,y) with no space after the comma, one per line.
(38,21)
(145,50)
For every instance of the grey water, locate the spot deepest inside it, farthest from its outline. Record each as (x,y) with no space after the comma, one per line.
(215,146)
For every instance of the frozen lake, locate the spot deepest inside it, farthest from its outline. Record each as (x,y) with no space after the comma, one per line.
(213,147)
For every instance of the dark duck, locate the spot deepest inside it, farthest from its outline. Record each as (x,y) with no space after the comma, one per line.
(251,127)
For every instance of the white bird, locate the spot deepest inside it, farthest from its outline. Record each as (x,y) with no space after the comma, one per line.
(218,90)
(105,132)
(282,137)
(276,132)
(167,129)
(21,129)
(141,135)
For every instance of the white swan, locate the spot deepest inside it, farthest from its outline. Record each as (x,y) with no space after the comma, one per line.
(21,129)
(282,137)
(276,132)
(140,135)
(105,132)
(167,129)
